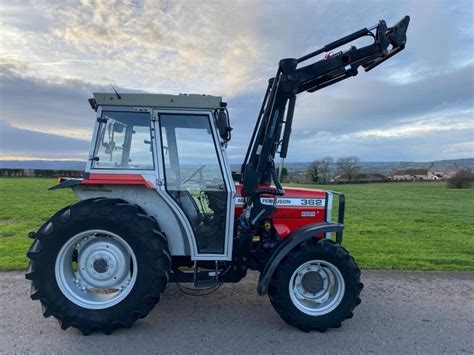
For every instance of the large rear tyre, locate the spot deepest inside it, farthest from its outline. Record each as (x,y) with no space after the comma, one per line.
(98,265)
(316,286)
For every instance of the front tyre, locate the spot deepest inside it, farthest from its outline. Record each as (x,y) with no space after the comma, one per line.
(316,286)
(98,265)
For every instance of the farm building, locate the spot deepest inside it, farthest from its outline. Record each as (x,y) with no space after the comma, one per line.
(422,174)
(411,175)
(443,175)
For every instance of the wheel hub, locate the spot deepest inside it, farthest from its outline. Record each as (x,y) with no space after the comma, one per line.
(101,265)
(312,282)
(316,287)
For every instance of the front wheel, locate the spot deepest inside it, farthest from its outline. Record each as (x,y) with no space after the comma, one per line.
(316,287)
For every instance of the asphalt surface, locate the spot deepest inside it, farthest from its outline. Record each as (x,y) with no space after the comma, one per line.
(401,312)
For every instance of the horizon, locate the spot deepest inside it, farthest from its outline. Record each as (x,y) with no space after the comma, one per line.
(416,107)
(285,162)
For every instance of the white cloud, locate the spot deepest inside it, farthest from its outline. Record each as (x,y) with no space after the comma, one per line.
(439,135)
(435,122)
(54,54)
(18,143)
(155,45)
(83,133)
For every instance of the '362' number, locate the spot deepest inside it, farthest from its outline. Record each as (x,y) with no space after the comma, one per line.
(311,202)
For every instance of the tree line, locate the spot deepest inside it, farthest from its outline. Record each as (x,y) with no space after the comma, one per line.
(321,171)
(348,169)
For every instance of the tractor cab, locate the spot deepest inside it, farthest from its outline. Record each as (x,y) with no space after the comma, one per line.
(176,143)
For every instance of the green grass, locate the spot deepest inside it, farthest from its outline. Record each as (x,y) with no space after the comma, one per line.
(412,226)
(25,203)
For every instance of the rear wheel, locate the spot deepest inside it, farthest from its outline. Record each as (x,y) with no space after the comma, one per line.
(98,265)
(316,287)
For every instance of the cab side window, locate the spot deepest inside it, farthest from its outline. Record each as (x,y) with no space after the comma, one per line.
(194,177)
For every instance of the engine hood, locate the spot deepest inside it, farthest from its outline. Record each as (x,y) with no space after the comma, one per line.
(291,192)
(297,208)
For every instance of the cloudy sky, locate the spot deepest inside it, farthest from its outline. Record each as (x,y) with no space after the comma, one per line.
(417,106)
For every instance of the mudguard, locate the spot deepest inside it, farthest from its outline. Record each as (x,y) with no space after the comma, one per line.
(64,183)
(297,237)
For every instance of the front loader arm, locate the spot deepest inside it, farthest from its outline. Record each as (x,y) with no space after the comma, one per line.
(273,127)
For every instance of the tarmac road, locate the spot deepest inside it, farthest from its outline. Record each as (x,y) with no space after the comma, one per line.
(401,312)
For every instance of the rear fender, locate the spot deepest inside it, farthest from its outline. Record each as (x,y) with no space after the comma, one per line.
(289,243)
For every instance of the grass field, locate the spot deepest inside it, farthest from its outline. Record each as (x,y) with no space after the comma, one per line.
(388,226)
(412,226)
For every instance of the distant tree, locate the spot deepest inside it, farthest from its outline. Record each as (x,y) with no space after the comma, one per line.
(348,167)
(319,170)
(325,169)
(462,179)
(313,171)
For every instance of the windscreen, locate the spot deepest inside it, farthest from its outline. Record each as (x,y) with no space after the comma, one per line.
(124,141)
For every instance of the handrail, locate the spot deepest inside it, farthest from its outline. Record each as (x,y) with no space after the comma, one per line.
(340,212)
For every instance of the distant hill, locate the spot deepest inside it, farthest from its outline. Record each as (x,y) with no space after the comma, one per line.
(375,167)
(387,167)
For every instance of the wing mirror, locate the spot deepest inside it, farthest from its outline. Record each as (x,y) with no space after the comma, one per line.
(223,124)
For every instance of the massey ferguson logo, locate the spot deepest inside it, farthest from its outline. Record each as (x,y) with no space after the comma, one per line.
(284,201)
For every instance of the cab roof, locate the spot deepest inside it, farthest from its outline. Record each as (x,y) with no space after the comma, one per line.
(159,100)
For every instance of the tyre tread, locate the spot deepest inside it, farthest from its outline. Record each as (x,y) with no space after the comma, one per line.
(278,288)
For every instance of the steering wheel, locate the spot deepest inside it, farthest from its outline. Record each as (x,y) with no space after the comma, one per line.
(194,174)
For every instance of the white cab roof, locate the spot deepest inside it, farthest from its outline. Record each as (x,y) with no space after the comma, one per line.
(159,100)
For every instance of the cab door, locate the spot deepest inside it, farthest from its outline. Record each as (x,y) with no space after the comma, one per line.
(197,177)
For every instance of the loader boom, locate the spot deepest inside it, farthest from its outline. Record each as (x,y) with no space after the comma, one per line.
(273,127)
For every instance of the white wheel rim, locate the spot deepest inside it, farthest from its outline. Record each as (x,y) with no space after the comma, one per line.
(105,271)
(316,287)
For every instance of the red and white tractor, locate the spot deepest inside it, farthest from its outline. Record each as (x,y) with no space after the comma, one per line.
(159,203)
